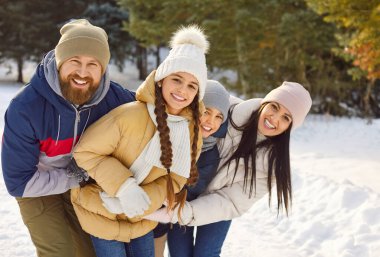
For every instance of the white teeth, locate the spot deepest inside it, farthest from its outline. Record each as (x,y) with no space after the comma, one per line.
(178,97)
(206,128)
(268,124)
(80,82)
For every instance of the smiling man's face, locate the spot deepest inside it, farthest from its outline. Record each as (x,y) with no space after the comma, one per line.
(79,78)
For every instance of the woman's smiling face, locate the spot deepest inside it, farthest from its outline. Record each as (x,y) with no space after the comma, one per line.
(274,119)
(179,90)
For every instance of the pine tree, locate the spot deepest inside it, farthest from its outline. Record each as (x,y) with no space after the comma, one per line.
(264,42)
(360,38)
(110,17)
(29,29)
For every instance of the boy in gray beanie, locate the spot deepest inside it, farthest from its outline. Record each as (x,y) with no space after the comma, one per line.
(216,101)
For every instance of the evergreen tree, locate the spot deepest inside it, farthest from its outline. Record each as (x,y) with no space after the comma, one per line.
(359,37)
(141,25)
(243,38)
(152,23)
(264,42)
(110,17)
(19,40)
(29,29)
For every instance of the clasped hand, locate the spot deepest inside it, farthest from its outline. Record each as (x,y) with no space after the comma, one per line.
(164,215)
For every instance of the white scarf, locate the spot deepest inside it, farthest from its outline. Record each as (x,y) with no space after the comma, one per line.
(150,156)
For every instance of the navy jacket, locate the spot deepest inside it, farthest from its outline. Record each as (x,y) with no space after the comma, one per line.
(207,165)
(41,130)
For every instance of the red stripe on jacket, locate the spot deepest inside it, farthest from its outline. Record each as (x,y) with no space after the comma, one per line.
(54,148)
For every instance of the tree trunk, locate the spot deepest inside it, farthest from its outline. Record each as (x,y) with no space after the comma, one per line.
(367,101)
(158,59)
(243,70)
(142,62)
(20,65)
(302,73)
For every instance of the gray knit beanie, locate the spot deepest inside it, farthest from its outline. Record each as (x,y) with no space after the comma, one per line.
(216,96)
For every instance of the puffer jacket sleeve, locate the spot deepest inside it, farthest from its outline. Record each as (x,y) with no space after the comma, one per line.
(226,195)
(225,204)
(20,157)
(94,153)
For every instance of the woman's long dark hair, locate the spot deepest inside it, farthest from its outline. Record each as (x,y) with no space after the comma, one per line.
(277,148)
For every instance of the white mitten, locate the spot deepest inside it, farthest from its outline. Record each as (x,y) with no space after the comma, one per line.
(112,204)
(133,199)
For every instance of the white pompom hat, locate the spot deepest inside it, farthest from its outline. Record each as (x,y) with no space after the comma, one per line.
(189,46)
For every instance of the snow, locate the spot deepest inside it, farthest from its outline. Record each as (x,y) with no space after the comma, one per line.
(336,194)
(336,201)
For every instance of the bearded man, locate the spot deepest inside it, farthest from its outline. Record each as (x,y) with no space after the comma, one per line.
(69,91)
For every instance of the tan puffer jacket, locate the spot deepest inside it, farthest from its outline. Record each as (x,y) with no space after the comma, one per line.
(106,150)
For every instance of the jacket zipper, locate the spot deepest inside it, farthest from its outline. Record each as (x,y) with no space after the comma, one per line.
(76,125)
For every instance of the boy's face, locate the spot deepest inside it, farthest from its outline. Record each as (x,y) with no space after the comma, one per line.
(210,121)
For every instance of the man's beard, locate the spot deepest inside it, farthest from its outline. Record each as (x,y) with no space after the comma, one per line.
(76,95)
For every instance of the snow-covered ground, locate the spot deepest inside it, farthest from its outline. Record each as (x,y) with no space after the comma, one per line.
(336,205)
(336,188)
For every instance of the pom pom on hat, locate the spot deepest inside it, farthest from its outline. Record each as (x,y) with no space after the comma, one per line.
(191,35)
(80,37)
(294,97)
(189,46)
(216,96)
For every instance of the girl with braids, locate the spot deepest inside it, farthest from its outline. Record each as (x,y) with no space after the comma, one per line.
(216,102)
(142,154)
(254,158)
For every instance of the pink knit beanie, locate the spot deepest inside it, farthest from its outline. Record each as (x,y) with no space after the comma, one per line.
(294,97)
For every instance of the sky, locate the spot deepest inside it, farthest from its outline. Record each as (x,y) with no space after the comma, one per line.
(336,194)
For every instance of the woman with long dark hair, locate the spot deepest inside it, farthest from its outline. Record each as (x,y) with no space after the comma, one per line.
(254,159)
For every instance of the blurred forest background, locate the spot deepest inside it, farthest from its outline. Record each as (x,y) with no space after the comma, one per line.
(332,47)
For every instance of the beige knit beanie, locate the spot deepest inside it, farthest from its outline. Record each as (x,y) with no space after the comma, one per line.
(294,97)
(80,37)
